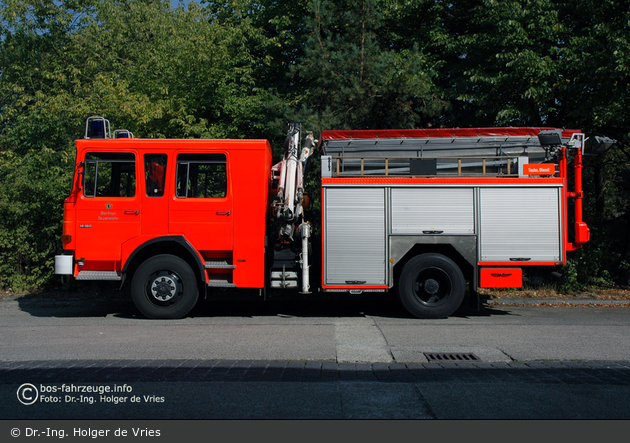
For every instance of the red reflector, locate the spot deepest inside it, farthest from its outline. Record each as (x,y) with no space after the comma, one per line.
(66,238)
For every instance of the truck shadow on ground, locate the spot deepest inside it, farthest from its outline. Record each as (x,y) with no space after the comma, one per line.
(236,304)
(320,305)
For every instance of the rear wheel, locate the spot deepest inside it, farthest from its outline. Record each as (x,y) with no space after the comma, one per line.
(164,286)
(431,286)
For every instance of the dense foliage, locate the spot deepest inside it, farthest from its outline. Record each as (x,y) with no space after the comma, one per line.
(243,69)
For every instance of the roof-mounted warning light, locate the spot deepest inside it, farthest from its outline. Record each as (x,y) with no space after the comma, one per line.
(123,133)
(97,127)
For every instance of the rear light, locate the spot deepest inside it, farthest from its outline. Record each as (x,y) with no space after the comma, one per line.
(66,238)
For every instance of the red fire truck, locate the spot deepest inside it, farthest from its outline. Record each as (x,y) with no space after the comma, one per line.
(429,213)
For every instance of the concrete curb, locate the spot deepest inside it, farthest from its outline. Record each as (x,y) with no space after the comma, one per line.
(553,301)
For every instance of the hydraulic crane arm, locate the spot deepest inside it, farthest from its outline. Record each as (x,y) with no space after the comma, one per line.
(289,173)
(287,206)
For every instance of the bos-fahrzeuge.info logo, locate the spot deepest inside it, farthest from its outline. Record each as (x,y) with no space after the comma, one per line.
(28,394)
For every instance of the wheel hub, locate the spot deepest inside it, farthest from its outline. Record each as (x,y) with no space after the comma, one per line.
(163,288)
(431,286)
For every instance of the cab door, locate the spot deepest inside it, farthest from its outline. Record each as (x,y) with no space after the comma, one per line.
(108,209)
(154,198)
(201,208)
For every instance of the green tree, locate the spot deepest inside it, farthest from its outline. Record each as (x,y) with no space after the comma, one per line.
(351,78)
(500,60)
(595,95)
(35,150)
(175,73)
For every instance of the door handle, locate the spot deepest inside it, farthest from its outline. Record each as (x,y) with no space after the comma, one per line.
(132,212)
(223,212)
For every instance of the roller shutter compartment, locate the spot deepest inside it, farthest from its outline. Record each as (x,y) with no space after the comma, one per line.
(520,225)
(427,210)
(354,230)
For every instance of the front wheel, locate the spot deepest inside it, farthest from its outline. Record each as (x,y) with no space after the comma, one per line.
(431,286)
(164,286)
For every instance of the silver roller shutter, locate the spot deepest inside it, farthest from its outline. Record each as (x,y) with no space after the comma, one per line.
(449,210)
(354,233)
(520,223)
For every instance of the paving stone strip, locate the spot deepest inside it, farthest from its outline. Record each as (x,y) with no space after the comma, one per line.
(102,371)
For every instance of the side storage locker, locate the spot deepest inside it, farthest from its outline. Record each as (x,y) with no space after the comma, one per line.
(433,211)
(520,225)
(354,236)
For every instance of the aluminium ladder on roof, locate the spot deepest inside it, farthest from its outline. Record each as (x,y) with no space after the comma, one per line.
(478,150)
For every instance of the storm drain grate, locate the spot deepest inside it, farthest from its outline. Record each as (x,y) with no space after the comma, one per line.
(450,356)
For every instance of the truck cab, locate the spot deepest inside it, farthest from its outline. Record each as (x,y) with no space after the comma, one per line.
(173,216)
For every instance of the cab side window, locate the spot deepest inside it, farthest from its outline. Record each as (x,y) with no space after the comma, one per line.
(155,174)
(109,174)
(201,176)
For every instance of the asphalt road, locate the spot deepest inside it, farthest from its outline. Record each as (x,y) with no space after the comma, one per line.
(314,358)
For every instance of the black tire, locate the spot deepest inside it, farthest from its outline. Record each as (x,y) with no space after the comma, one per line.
(431,286)
(164,286)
